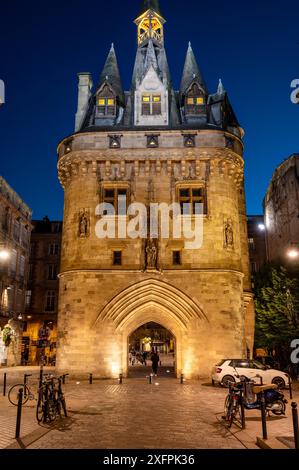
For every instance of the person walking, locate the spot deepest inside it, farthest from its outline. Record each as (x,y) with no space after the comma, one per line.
(155,361)
(144,356)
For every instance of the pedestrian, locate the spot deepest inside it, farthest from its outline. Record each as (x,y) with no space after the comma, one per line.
(155,361)
(144,356)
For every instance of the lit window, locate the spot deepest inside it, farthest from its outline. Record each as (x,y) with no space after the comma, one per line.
(192,196)
(194,102)
(106,103)
(114,196)
(117,258)
(151,105)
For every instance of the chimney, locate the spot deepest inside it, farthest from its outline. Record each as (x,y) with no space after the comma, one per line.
(84,91)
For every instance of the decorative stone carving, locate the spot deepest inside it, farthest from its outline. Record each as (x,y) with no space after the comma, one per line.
(228,234)
(151,252)
(84,223)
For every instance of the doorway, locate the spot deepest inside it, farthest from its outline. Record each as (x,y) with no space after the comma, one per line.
(146,339)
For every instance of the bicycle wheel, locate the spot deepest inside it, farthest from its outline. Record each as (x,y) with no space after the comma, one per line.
(50,410)
(39,411)
(227,411)
(13,394)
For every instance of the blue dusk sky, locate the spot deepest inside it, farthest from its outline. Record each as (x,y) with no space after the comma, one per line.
(252,45)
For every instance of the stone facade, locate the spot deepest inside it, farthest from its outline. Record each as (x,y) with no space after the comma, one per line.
(281,210)
(205,300)
(15,228)
(42,291)
(256,242)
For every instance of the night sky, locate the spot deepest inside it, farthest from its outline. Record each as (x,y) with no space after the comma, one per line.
(252,45)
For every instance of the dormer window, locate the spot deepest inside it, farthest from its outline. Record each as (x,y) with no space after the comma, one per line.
(194,101)
(106,103)
(151,105)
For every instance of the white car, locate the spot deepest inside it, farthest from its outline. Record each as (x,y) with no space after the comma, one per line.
(228,370)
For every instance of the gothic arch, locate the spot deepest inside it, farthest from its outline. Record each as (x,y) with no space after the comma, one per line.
(122,308)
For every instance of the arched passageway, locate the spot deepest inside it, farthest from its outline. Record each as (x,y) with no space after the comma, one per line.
(147,342)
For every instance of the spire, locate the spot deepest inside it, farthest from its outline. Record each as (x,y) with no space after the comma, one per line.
(150,58)
(110,73)
(220,89)
(150,5)
(191,71)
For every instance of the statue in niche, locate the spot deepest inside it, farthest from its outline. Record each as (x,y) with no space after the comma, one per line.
(151,254)
(228,234)
(83,224)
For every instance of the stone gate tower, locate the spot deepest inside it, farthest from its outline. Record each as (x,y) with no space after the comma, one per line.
(153,144)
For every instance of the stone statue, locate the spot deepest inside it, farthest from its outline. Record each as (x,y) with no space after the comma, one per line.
(83,224)
(151,254)
(228,234)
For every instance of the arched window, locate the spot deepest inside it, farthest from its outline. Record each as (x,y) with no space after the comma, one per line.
(194,100)
(106,102)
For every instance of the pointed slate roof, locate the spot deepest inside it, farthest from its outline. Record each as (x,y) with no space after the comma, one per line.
(150,58)
(110,73)
(150,5)
(191,71)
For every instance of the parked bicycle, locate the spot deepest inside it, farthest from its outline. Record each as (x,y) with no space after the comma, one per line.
(13,393)
(51,401)
(246,395)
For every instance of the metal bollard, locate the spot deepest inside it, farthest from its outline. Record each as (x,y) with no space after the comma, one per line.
(264,417)
(290,388)
(4,384)
(182,378)
(120,380)
(63,378)
(90,379)
(19,413)
(295,424)
(150,379)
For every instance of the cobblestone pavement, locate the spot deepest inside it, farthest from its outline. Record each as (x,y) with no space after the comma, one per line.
(136,415)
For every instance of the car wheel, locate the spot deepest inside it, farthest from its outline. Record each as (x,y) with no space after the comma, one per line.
(227,379)
(279,382)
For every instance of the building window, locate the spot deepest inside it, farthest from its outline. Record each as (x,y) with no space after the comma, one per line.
(151,105)
(28,297)
(192,196)
(53,249)
(13,262)
(55,228)
(152,141)
(194,101)
(176,258)
(22,266)
(50,301)
(16,231)
(189,140)
(114,196)
(106,103)
(117,258)
(251,244)
(114,141)
(253,267)
(52,272)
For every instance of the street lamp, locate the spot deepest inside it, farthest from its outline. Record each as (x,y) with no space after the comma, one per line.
(293,253)
(4,254)
(261,227)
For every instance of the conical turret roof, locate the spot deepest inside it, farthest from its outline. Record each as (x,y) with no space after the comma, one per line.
(110,73)
(191,72)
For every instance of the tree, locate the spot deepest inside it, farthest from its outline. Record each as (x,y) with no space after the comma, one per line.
(277,311)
